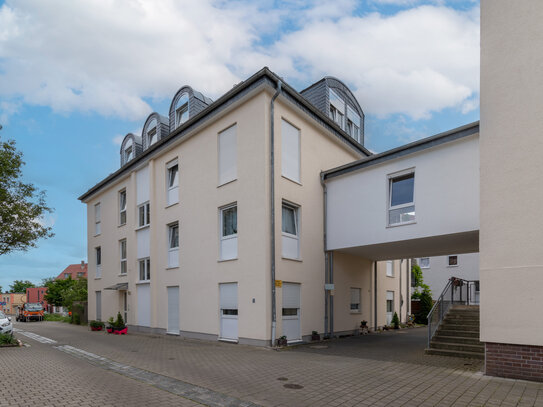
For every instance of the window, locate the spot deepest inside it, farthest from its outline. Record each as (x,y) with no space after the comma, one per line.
(355,300)
(290,151)
(122,255)
(227,155)
(144,216)
(98,256)
(424,262)
(337,108)
(97,219)
(128,151)
(66,275)
(453,261)
(80,274)
(390,268)
(401,199)
(122,207)
(173,245)
(182,110)
(173,183)
(290,231)
(229,232)
(353,123)
(145,269)
(152,136)
(390,302)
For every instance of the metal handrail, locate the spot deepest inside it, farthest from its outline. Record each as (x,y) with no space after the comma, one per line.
(454,287)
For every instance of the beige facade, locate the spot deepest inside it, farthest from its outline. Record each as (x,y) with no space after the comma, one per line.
(11,301)
(194,285)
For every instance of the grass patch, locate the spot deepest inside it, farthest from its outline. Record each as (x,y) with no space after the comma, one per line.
(56,317)
(7,339)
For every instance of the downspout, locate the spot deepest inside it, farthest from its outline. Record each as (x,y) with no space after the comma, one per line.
(400,290)
(326,255)
(272,209)
(331,260)
(408,289)
(375,295)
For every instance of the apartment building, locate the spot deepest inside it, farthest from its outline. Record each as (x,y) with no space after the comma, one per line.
(10,302)
(213,226)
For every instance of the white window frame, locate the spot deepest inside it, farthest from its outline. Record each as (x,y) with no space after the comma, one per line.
(152,133)
(172,191)
(359,309)
(224,177)
(128,151)
(424,266)
(296,209)
(449,260)
(122,210)
(173,251)
(224,238)
(146,214)
(180,110)
(98,261)
(146,271)
(291,169)
(390,270)
(97,219)
(123,263)
(390,179)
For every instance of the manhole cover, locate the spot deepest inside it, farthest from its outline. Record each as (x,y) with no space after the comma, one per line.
(293,386)
(283,379)
(319,347)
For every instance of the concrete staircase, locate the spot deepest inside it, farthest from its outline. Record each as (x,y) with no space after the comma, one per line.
(458,334)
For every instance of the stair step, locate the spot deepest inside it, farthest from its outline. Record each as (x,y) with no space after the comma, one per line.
(461,333)
(457,346)
(454,353)
(457,339)
(460,324)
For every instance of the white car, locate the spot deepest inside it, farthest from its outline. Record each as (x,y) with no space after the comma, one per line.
(6,327)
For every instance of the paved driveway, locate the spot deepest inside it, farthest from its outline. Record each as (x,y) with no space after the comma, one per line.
(386,369)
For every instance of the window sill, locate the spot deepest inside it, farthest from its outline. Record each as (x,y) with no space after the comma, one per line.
(291,180)
(97,278)
(120,226)
(453,265)
(356,312)
(143,282)
(224,260)
(390,276)
(292,259)
(123,275)
(142,227)
(172,268)
(227,182)
(402,224)
(170,205)
(97,235)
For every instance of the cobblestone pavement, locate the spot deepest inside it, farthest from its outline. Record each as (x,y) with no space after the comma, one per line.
(388,369)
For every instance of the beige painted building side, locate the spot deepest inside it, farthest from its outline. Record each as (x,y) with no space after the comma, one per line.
(511,233)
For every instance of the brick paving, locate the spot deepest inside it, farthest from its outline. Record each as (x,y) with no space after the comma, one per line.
(388,369)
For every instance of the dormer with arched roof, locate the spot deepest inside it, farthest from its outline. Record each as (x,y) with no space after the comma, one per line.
(130,148)
(335,99)
(156,127)
(185,104)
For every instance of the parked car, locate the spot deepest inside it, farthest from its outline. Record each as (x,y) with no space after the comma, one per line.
(30,311)
(6,327)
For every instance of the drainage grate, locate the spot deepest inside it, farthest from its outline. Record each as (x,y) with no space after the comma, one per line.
(283,379)
(293,386)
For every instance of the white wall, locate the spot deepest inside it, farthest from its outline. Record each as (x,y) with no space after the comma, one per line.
(446,197)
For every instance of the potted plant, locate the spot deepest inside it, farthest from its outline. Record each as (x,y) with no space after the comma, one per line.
(110,324)
(119,328)
(96,325)
(364,327)
(315,336)
(282,341)
(395,321)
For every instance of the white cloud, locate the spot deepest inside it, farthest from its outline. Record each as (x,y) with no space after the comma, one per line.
(118,139)
(108,57)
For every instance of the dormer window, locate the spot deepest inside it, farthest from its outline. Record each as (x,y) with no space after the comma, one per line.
(353,121)
(152,137)
(182,110)
(128,151)
(337,109)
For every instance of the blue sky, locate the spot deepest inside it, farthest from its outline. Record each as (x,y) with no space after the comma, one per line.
(76,76)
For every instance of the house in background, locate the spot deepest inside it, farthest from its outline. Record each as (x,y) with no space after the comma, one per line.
(74,271)
(10,302)
(213,226)
(36,295)
(436,271)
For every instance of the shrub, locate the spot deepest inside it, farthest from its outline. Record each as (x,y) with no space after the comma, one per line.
(96,324)
(76,319)
(56,317)
(395,321)
(119,323)
(426,304)
(7,339)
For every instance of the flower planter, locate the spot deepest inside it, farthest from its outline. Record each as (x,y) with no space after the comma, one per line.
(109,329)
(315,337)
(120,331)
(282,342)
(96,328)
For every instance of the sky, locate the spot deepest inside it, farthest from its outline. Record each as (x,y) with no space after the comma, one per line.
(78,75)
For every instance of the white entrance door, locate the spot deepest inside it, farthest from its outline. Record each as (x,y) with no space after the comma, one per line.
(291,312)
(144,304)
(125,306)
(99,305)
(173,310)
(390,306)
(228,298)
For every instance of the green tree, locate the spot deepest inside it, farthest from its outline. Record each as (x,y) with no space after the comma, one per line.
(20,286)
(62,293)
(423,293)
(22,205)
(1,291)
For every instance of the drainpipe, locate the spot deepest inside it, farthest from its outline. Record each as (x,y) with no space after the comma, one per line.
(331,259)
(408,289)
(375,295)
(326,255)
(272,209)
(400,290)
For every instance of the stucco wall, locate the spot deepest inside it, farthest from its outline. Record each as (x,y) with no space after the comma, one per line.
(511,166)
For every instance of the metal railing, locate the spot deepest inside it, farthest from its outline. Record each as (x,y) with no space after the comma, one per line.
(457,292)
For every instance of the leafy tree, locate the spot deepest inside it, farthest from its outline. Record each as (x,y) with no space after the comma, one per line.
(1,291)
(62,293)
(423,293)
(22,205)
(20,286)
